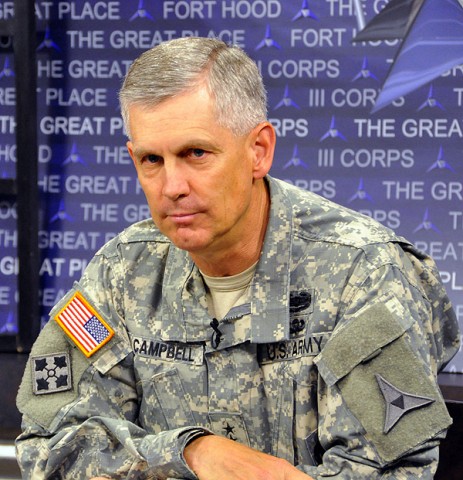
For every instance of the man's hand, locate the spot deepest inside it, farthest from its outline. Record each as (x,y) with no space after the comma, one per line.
(213,457)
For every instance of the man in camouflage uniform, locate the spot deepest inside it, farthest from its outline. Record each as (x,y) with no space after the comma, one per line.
(253,330)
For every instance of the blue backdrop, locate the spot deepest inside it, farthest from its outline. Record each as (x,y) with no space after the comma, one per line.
(402,165)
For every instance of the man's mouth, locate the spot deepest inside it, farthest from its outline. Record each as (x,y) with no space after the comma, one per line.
(182,218)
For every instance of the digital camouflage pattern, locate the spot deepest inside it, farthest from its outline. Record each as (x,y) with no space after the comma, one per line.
(342,314)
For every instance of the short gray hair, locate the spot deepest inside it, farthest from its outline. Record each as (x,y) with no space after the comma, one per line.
(177,66)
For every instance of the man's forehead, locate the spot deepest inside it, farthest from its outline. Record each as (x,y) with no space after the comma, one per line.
(198,93)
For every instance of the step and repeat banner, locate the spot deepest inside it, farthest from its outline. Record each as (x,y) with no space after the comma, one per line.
(402,165)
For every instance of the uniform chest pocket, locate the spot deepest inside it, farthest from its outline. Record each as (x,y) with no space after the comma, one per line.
(292,391)
(164,402)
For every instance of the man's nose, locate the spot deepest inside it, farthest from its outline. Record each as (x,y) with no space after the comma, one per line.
(175,182)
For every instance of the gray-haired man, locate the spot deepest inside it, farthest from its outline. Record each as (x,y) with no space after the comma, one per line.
(250,330)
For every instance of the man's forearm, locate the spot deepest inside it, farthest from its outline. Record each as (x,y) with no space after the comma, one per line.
(213,457)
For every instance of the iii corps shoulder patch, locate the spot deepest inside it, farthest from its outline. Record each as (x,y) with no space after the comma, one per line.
(84,325)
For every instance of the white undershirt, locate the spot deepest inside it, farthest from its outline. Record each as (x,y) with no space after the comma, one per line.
(227,292)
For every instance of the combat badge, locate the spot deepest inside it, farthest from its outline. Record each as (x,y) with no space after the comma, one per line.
(300,304)
(299,301)
(51,373)
(84,325)
(398,403)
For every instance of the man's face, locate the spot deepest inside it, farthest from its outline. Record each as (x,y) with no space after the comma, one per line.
(197,176)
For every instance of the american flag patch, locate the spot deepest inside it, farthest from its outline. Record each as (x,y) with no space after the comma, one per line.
(83,325)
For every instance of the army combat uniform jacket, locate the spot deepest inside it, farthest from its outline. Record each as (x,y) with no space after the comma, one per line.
(331,365)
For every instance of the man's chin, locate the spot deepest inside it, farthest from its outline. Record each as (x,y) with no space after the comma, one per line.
(189,242)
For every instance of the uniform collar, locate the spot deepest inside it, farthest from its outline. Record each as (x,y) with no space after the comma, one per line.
(270,287)
(184,309)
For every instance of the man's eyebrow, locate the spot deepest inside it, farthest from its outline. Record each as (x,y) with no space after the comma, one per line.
(197,143)
(140,152)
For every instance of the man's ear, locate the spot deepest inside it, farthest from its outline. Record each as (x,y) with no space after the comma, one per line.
(263,139)
(129,146)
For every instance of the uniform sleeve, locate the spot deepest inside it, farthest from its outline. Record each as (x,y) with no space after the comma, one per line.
(381,413)
(80,414)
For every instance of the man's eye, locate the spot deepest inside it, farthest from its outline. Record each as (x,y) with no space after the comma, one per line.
(152,158)
(197,152)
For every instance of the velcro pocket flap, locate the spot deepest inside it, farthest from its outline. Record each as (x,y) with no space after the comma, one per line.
(367,331)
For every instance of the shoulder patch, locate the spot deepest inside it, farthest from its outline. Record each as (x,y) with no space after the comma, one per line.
(398,402)
(51,373)
(41,377)
(383,381)
(83,325)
